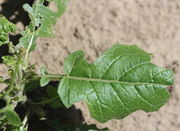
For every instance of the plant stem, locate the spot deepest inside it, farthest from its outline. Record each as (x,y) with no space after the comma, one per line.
(32,35)
(28,50)
(59,77)
(46,101)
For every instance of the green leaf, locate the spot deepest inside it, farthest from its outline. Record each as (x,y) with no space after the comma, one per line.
(9,60)
(31,85)
(119,82)
(13,118)
(42,21)
(44,79)
(52,92)
(6,27)
(27,37)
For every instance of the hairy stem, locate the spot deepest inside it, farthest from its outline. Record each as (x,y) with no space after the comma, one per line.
(28,50)
(32,34)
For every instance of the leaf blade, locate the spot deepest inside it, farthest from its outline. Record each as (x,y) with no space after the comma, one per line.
(13,118)
(6,27)
(110,86)
(42,21)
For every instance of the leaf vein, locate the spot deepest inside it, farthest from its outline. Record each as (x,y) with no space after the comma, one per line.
(138,65)
(120,98)
(142,98)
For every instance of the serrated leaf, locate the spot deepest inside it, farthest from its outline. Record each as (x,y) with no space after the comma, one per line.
(13,118)
(42,21)
(6,27)
(119,82)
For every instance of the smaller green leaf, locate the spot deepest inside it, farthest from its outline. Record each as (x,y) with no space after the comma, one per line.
(6,27)
(52,92)
(43,71)
(27,37)
(42,21)
(52,102)
(44,79)
(9,60)
(28,8)
(32,85)
(55,104)
(13,118)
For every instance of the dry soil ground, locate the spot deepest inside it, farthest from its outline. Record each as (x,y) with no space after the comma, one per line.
(94,25)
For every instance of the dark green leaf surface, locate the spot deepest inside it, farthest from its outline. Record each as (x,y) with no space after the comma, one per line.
(118,83)
(12,118)
(52,92)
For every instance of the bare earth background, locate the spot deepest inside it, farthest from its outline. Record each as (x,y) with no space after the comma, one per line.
(94,25)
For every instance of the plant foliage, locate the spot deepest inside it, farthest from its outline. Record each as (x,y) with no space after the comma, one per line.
(42,21)
(6,27)
(121,81)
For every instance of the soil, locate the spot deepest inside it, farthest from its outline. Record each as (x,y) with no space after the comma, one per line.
(95,25)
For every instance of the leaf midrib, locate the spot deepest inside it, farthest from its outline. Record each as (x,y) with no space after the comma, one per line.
(112,81)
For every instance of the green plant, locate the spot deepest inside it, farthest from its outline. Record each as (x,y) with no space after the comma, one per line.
(121,81)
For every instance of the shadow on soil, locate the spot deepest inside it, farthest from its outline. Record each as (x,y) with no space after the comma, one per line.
(45,117)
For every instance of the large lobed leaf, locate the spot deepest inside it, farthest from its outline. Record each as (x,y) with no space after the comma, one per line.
(118,83)
(42,21)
